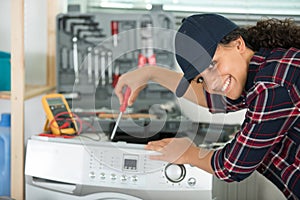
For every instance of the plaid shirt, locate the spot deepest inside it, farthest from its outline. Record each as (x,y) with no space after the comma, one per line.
(270,134)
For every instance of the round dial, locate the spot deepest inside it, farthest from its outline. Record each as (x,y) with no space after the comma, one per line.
(175,173)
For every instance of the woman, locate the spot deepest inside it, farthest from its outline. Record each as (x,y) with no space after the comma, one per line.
(256,68)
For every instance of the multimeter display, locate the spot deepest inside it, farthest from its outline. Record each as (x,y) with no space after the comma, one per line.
(55,101)
(56,105)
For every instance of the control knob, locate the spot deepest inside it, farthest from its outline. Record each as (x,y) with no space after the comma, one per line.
(174,172)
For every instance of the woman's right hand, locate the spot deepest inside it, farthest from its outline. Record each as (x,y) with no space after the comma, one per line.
(136,80)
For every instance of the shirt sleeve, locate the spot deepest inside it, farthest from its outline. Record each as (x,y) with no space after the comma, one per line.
(269,116)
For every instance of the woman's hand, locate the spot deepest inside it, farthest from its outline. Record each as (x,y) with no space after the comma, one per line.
(136,80)
(173,150)
(181,151)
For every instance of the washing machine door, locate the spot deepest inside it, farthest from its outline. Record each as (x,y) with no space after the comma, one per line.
(111,196)
(37,193)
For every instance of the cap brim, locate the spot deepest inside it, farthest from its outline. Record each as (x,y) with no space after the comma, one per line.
(182,87)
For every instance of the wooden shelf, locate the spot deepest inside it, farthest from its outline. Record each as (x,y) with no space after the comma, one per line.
(5,95)
(30,91)
(21,91)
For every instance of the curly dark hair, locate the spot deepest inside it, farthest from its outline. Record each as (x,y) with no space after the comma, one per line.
(268,33)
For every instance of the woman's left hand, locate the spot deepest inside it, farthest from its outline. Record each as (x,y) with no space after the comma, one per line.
(173,150)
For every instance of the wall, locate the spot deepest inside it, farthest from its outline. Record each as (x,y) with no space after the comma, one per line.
(35,56)
(34,115)
(5,26)
(35,41)
(35,37)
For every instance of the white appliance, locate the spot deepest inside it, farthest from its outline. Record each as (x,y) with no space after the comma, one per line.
(81,169)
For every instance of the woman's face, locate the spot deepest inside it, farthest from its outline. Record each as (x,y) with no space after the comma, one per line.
(227,73)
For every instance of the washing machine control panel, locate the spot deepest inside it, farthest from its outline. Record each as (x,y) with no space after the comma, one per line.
(129,165)
(109,165)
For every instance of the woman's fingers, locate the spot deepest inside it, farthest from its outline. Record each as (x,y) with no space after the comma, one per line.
(135,80)
(134,94)
(173,150)
(158,145)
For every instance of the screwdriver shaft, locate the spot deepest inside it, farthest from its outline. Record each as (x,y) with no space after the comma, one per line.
(122,109)
(116,126)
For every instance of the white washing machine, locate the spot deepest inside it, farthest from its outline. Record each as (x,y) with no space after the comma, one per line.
(82,169)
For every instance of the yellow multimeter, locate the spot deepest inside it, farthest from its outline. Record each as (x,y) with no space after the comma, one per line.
(59,117)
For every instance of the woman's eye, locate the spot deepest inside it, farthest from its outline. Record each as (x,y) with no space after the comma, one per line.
(200,80)
(212,64)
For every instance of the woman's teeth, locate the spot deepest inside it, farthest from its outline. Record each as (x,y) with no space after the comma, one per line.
(225,86)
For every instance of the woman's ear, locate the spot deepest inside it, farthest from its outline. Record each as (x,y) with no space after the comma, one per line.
(240,44)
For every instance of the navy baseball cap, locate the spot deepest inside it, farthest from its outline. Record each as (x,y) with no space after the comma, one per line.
(196,42)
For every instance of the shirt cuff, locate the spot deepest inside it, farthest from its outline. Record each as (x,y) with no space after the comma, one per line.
(219,171)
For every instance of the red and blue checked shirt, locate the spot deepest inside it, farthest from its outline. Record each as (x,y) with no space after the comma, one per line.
(269,139)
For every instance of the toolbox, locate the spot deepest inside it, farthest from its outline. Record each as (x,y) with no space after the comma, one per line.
(94,49)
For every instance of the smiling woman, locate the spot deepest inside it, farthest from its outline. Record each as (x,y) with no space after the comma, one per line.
(256,68)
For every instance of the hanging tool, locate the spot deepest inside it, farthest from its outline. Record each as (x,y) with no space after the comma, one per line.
(114,32)
(147,53)
(116,76)
(122,110)
(89,64)
(102,67)
(64,58)
(96,65)
(75,59)
(110,68)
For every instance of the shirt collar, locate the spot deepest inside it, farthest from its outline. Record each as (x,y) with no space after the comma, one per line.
(256,62)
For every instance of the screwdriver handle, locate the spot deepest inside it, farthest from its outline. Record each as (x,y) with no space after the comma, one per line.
(125,100)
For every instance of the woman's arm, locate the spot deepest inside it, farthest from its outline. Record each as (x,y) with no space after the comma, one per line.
(138,79)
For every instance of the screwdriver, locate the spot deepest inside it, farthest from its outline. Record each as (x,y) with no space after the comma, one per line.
(122,110)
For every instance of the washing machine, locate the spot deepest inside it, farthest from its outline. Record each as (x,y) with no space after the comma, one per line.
(85,169)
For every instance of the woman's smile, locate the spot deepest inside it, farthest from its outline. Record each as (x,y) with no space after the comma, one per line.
(226,85)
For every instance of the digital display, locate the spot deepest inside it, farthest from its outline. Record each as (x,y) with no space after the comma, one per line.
(130,162)
(55,101)
(57,106)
